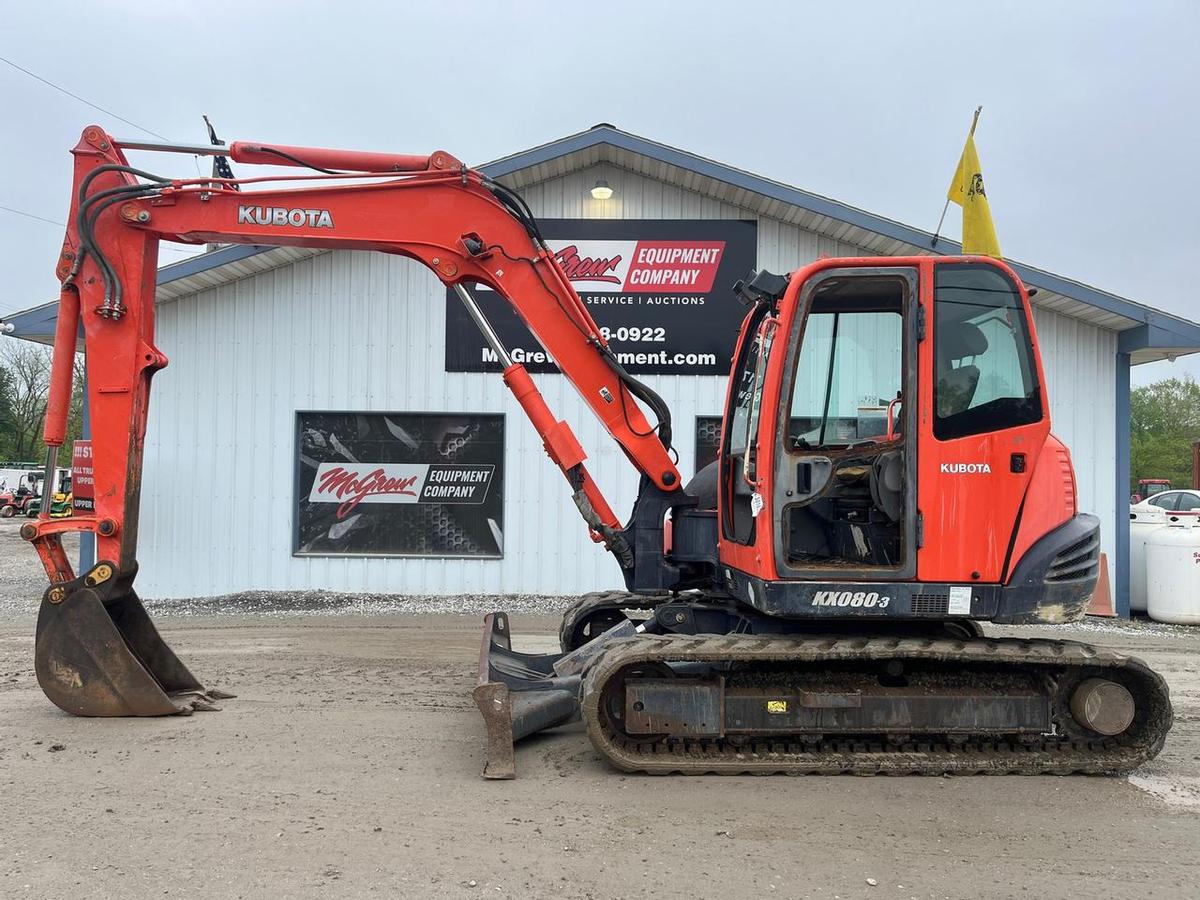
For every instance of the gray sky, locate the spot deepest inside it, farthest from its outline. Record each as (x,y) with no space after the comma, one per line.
(1088,136)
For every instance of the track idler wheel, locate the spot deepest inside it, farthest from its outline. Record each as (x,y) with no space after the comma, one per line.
(99,654)
(612,702)
(1104,706)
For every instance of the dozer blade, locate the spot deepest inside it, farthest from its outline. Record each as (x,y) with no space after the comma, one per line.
(518,694)
(99,654)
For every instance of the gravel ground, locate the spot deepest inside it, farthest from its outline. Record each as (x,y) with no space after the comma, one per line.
(348,766)
(274,604)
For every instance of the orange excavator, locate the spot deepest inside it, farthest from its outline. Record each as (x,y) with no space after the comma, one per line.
(810,602)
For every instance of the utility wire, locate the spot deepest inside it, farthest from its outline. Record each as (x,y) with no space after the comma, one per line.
(63,90)
(98,108)
(29,215)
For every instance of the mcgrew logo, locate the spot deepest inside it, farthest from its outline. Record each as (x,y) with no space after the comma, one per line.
(352,487)
(278,215)
(850,598)
(966,469)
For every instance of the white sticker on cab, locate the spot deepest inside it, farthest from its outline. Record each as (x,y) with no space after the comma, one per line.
(960,600)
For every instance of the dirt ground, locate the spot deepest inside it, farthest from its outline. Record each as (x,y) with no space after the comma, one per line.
(349,766)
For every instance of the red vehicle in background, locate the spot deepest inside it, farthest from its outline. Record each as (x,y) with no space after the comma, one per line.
(15,501)
(1148,487)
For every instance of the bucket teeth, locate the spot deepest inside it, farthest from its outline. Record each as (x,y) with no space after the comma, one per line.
(199,701)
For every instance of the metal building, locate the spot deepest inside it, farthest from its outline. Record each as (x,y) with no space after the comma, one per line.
(268,346)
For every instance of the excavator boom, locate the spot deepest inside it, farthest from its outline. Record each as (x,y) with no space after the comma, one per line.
(464,227)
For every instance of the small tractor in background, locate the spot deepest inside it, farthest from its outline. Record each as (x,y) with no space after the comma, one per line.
(17,500)
(61,503)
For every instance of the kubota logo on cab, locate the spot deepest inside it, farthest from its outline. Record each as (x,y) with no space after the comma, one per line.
(965,469)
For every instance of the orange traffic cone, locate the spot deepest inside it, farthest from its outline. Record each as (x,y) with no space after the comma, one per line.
(1102,600)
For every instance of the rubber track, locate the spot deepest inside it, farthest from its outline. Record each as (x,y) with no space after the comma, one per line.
(1053,754)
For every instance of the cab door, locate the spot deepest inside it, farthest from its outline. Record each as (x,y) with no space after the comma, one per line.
(984,419)
(844,485)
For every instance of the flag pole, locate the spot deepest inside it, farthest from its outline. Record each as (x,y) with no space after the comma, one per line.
(942,219)
(946,205)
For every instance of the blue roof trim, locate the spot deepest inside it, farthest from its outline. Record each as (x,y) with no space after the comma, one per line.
(194,265)
(1183,333)
(1153,336)
(39,322)
(31,324)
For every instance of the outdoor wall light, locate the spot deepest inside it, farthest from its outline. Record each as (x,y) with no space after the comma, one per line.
(602,190)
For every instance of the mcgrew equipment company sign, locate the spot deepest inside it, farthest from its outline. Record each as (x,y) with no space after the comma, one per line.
(660,290)
(399,484)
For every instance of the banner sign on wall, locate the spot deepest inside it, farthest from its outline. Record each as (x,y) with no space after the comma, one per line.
(83,479)
(661,291)
(399,484)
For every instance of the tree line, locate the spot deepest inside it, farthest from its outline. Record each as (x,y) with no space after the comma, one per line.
(1164,420)
(24,389)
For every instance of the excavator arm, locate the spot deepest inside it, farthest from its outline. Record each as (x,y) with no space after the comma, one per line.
(433,209)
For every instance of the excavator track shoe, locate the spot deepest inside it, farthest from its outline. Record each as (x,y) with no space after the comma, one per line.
(97,653)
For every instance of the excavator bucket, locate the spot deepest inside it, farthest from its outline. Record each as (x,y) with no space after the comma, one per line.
(99,654)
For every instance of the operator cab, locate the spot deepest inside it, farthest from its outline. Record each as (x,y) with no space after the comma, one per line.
(868,400)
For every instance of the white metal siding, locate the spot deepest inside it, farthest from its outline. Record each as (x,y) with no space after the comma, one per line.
(1079,361)
(361,331)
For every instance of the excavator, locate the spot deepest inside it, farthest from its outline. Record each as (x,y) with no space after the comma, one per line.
(811,602)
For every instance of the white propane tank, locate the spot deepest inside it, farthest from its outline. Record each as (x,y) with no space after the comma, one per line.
(1173,572)
(1141,523)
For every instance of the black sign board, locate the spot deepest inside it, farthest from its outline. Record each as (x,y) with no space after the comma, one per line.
(399,484)
(661,290)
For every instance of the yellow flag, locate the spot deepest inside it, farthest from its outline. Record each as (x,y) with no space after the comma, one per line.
(979,234)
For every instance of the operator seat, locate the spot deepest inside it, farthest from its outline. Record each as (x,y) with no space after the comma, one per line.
(956,386)
(888,484)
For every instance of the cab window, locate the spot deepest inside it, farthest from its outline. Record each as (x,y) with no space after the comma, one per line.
(737,467)
(747,391)
(851,363)
(985,376)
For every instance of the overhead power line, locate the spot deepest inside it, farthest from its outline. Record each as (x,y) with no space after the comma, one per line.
(86,102)
(29,215)
(63,90)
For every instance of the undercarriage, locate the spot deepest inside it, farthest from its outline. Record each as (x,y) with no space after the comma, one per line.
(746,694)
